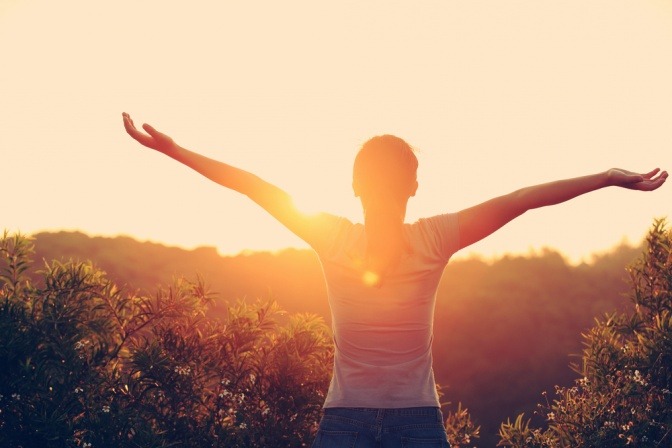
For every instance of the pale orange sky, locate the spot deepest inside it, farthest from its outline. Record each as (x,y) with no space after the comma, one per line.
(496,95)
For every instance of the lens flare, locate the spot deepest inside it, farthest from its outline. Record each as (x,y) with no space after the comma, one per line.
(370,278)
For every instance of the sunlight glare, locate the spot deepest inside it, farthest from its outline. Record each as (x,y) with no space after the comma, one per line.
(308,205)
(370,278)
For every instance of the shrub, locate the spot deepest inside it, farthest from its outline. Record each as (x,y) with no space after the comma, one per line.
(461,431)
(623,397)
(86,364)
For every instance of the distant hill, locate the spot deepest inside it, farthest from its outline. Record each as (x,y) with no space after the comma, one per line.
(504,330)
(143,266)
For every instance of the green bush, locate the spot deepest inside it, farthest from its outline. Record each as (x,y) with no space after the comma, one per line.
(86,364)
(623,398)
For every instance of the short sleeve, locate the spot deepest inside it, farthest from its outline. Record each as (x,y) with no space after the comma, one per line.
(445,233)
(332,229)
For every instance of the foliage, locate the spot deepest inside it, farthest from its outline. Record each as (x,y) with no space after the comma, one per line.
(88,365)
(623,398)
(460,429)
(503,327)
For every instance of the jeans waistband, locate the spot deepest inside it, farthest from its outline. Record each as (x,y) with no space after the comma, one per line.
(426,410)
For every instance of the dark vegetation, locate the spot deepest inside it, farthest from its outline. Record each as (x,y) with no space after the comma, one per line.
(504,331)
(622,397)
(88,365)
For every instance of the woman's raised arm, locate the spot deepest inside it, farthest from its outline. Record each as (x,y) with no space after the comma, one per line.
(271,198)
(481,220)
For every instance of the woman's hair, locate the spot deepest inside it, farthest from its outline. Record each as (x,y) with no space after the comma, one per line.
(385,170)
(384,176)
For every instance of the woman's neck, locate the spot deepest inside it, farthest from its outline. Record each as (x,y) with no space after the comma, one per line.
(390,213)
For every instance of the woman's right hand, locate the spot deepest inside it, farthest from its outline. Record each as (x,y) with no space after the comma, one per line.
(636,181)
(153,139)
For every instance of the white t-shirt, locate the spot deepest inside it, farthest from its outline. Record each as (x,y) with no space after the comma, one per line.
(383,335)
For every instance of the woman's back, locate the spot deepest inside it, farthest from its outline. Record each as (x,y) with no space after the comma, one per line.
(383,332)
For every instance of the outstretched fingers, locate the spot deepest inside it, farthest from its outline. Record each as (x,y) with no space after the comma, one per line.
(130,126)
(128,123)
(151,131)
(652,183)
(140,137)
(661,178)
(650,174)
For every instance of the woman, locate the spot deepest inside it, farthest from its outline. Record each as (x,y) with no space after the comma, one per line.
(382,278)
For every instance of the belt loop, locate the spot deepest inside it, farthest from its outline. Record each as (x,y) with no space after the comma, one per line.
(380,415)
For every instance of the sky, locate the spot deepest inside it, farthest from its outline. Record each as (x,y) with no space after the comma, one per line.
(495,95)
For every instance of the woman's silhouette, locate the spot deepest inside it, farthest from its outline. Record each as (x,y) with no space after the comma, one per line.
(382,278)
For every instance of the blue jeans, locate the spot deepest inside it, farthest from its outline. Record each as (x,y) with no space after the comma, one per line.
(381,428)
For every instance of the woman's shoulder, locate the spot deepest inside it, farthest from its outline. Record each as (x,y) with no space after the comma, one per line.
(333,228)
(436,222)
(438,234)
